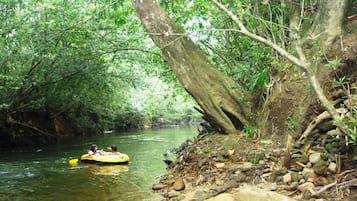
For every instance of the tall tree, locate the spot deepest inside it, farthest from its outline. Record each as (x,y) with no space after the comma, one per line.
(224,104)
(206,84)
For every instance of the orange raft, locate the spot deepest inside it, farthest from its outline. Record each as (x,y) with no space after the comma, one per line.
(118,158)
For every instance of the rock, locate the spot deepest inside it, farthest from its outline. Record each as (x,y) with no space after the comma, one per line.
(296,156)
(222,197)
(279,180)
(219,165)
(256,155)
(326,126)
(239,176)
(308,186)
(320,167)
(179,184)
(308,165)
(326,156)
(308,173)
(287,178)
(246,166)
(334,132)
(295,177)
(335,146)
(204,193)
(156,187)
(313,158)
(304,158)
(268,186)
(172,194)
(251,193)
(342,110)
(321,181)
(276,175)
(332,167)
(231,152)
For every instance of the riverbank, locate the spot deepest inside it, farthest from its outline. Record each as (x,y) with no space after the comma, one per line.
(230,167)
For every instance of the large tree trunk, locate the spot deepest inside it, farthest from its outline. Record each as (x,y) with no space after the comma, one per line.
(222,101)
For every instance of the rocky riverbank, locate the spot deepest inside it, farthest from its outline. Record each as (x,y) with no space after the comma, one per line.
(230,167)
(320,164)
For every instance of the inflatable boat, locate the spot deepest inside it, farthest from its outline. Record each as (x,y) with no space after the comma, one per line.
(117,158)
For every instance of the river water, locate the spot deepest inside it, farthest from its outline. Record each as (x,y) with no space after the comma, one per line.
(42,173)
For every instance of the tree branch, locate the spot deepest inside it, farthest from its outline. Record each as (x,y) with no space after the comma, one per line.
(303,65)
(300,62)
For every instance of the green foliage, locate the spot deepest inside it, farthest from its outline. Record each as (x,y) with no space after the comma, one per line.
(333,63)
(249,130)
(77,61)
(351,122)
(246,61)
(341,82)
(292,123)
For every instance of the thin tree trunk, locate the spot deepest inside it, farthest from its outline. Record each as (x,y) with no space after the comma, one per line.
(222,101)
(299,61)
(328,22)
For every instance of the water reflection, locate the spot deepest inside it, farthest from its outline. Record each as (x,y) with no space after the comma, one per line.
(108,170)
(32,175)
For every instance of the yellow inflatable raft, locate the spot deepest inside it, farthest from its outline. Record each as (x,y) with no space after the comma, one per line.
(117,158)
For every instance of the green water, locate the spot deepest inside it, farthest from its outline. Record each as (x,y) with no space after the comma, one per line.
(42,173)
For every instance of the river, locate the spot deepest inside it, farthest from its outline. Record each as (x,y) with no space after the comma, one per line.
(42,173)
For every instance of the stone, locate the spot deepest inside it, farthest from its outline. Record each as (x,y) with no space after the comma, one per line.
(326,126)
(304,158)
(342,110)
(231,152)
(222,197)
(308,186)
(320,167)
(172,194)
(326,156)
(252,193)
(239,176)
(321,181)
(334,132)
(308,173)
(287,178)
(256,155)
(314,157)
(179,184)
(332,167)
(295,177)
(204,193)
(219,165)
(156,187)
(246,166)
(308,165)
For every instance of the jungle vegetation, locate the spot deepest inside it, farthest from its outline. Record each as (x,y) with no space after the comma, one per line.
(81,67)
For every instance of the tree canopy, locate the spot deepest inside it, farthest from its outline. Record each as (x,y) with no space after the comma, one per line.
(80,67)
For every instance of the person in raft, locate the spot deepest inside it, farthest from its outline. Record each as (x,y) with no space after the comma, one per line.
(113,149)
(94,150)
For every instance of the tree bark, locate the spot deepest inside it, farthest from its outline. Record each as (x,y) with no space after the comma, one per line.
(328,24)
(299,61)
(223,103)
